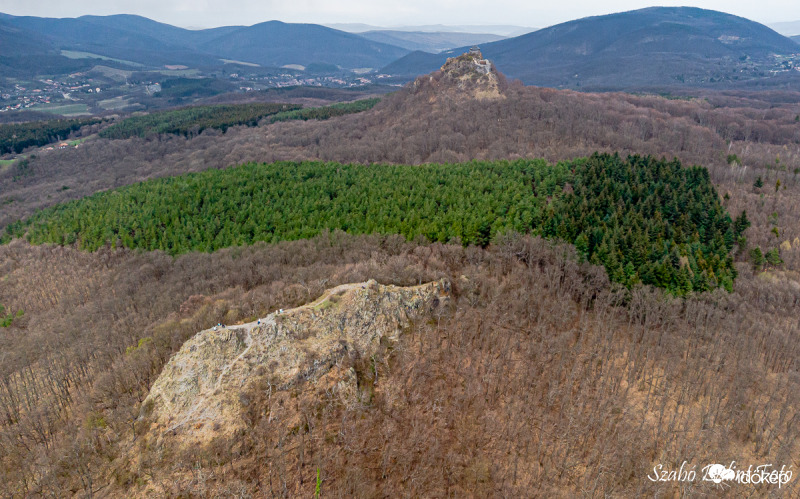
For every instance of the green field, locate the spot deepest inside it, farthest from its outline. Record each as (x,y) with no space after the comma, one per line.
(5,164)
(189,73)
(81,140)
(241,63)
(73,54)
(114,73)
(115,103)
(63,109)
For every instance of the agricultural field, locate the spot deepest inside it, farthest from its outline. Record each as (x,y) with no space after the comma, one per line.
(72,54)
(115,103)
(66,110)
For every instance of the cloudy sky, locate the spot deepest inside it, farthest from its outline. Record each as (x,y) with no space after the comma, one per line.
(534,13)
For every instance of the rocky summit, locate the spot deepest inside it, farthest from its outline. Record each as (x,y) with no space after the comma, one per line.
(466,76)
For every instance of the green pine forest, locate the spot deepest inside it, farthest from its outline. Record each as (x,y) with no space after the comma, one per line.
(16,137)
(326,112)
(193,120)
(646,220)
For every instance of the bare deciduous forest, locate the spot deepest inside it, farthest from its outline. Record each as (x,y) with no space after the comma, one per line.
(543,379)
(737,136)
(540,380)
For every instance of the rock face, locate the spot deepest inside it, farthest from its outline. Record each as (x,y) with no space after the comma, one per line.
(463,78)
(473,74)
(198,393)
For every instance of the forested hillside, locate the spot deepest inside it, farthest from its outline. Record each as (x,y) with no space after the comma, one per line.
(274,43)
(538,382)
(193,120)
(554,369)
(650,48)
(15,138)
(646,221)
(25,53)
(326,112)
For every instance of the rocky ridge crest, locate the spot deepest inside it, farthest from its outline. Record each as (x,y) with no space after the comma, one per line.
(200,392)
(466,76)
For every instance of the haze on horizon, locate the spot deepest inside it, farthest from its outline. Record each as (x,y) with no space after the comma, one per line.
(207,14)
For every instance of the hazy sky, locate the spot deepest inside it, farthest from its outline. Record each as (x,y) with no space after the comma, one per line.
(534,13)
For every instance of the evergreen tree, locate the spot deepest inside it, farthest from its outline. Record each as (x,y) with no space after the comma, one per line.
(639,217)
(757,257)
(773,257)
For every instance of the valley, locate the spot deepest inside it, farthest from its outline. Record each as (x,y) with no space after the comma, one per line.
(139,64)
(106,91)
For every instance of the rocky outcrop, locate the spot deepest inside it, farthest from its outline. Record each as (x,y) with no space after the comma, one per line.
(472,74)
(466,77)
(199,392)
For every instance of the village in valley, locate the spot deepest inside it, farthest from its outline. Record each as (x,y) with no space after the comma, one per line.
(104,89)
(43,93)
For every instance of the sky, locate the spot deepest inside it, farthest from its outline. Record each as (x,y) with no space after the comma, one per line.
(531,13)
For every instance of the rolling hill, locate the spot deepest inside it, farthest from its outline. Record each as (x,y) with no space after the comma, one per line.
(19,42)
(109,37)
(150,43)
(796,38)
(24,52)
(164,33)
(275,43)
(659,46)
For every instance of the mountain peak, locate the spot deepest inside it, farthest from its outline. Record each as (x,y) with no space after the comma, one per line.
(468,64)
(467,75)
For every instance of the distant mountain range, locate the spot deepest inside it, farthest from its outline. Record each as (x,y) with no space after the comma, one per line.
(429,41)
(787,28)
(275,43)
(653,47)
(796,38)
(135,40)
(659,46)
(143,41)
(503,30)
